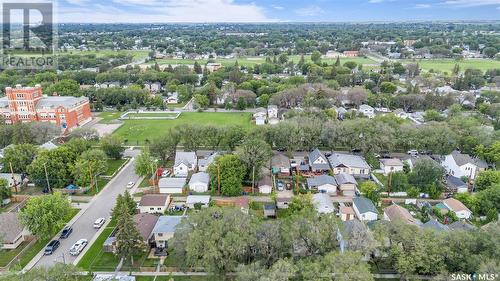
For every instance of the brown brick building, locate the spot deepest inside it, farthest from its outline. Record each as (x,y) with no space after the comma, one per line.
(27,104)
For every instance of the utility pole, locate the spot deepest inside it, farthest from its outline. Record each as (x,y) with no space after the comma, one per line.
(91,177)
(47,177)
(13,178)
(218,178)
(253,179)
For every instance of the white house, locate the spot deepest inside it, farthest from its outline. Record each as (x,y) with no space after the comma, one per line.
(171,185)
(349,164)
(260,120)
(260,112)
(458,208)
(199,182)
(364,209)
(164,230)
(367,110)
(347,184)
(391,165)
(346,213)
(191,200)
(272,111)
(206,161)
(265,185)
(318,161)
(323,203)
(184,163)
(323,183)
(154,203)
(462,165)
(173,98)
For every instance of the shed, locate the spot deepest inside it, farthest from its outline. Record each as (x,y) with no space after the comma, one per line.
(323,203)
(191,200)
(171,185)
(199,182)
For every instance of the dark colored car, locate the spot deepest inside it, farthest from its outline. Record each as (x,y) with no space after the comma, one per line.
(66,232)
(51,247)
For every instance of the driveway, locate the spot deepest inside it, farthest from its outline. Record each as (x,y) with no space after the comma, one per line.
(100,206)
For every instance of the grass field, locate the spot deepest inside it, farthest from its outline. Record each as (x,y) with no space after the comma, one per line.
(137,131)
(251,61)
(151,114)
(113,165)
(138,54)
(109,117)
(446,65)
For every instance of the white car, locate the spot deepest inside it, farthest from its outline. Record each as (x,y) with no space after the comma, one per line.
(78,247)
(130,184)
(99,222)
(165,173)
(413,152)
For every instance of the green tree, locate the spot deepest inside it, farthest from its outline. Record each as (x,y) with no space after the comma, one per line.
(370,190)
(19,157)
(112,146)
(5,191)
(254,153)
(399,182)
(90,163)
(316,57)
(45,215)
(54,166)
(489,154)
(486,179)
(231,171)
(59,272)
(128,239)
(144,163)
(425,172)
(201,101)
(388,88)
(301,202)
(65,87)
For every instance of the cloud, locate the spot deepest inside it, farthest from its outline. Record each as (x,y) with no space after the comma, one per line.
(471,3)
(423,6)
(375,1)
(151,11)
(278,7)
(309,11)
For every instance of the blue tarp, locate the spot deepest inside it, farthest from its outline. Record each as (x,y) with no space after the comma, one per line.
(72,187)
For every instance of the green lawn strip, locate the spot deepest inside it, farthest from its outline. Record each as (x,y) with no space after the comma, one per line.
(446,65)
(113,165)
(95,249)
(172,260)
(152,114)
(7,255)
(175,278)
(138,131)
(109,117)
(30,253)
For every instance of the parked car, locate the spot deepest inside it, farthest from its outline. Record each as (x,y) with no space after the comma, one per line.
(130,184)
(99,222)
(413,152)
(66,232)
(165,173)
(51,247)
(280,185)
(78,247)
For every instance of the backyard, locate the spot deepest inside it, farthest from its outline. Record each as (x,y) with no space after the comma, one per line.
(137,131)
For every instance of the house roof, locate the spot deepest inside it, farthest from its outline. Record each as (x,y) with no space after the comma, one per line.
(348,160)
(434,224)
(364,205)
(365,107)
(167,224)
(171,182)
(344,178)
(396,212)
(313,156)
(200,177)
(346,210)
(265,180)
(145,223)
(48,145)
(280,160)
(321,180)
(10,227)
(56,101)
(455,182)
(154,200)
(193,199)
(462,159)
(323,203)
(391,162)
(207,160)
(461,226)
(183,157)
(455,205)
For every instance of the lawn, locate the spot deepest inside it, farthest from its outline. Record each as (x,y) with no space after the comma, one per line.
(137,131)
(113,165)
(152,114)
(358,60)
(446,65)
(95,249)
(109,116)
(175,278)
(138,54)
(7,255)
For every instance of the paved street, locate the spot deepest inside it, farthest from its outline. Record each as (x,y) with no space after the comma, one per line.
(100,206)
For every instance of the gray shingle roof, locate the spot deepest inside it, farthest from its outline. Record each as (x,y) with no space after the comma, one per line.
(188,158)
(461,226)
(10,227)
(348,160)
(455,182)
(171,182)
(167,224)
(434,224)
(462,159)
(344,178)
(321,180)
(313,156)
(200,177)
(280,160)
(154,200)
(364,205)
(56,101)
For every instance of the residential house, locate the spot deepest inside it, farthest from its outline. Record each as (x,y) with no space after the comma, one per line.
(48,146)
(461,226)
(349,164)
(347,184)
(269,210)
(259,120)
(164,230)
(435,225)
(184,163)
(391,165)
(412,160)
(260,112)
(463,165)
(347,213)
(367,110)
(318,161)
(154,203)
(272,111)
(458,208)
(364,209)
(323,203)
(341,112)
(280,164)
(173,98)
(265,185)
(14,181)
(323,183)
(204,162)
(199,182)
(191,200)
(153,87)
(171,185)
(350,54)
(12,232)
(396,212)
(401,113)
(145,223)
(456,185)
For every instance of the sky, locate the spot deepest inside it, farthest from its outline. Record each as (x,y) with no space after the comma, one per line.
(154,11)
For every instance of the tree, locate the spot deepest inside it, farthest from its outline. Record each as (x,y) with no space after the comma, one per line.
(231,171)
(59,272)
(65,87)
(490,52)
(300,202)
(44,131)
(5,191)
(52,166)
(201,101)
(144,163)
(369,190)
(128,239)
(45,215)
(112,146)
(425,172)
(399,182)
(388,88)
(18,157)
(316,57)
(91,163)
(254,153)
(489,154)
(486,179)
